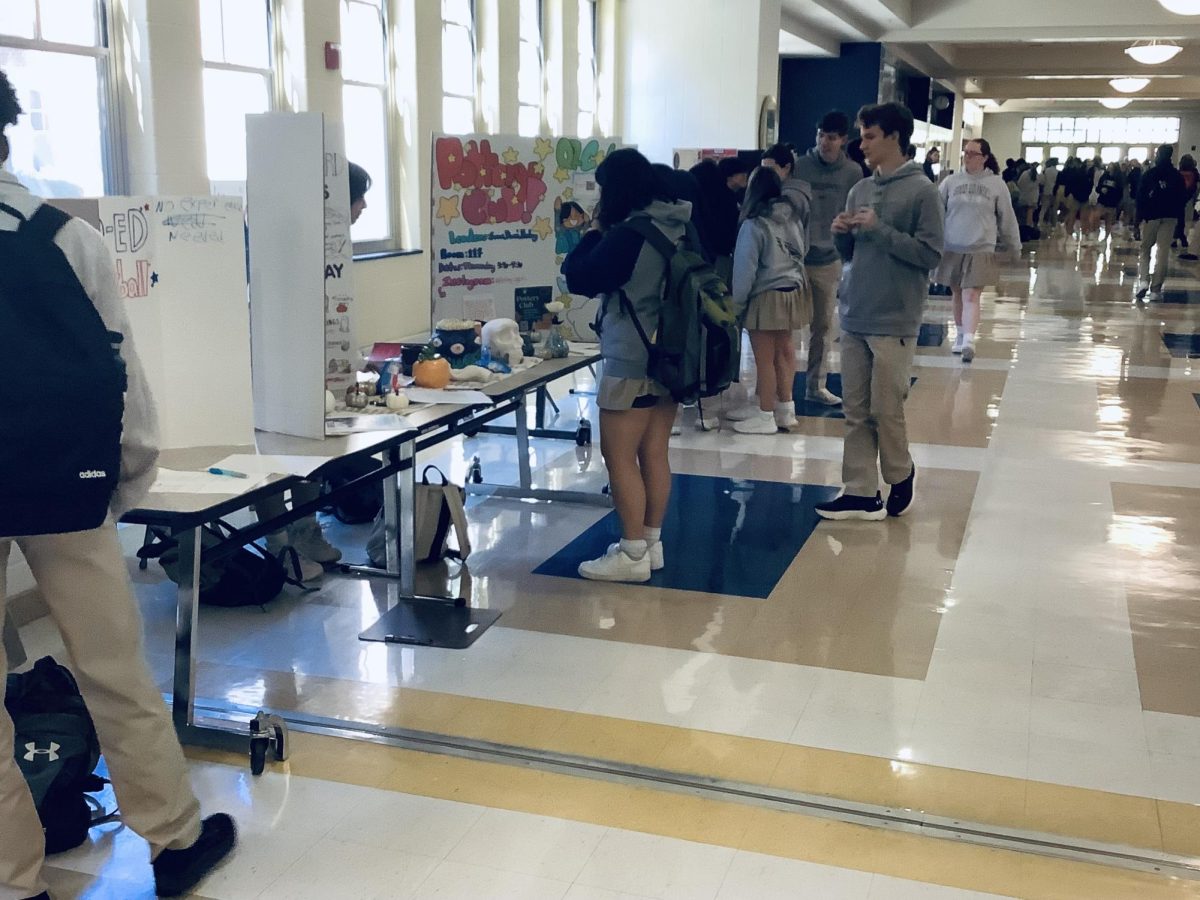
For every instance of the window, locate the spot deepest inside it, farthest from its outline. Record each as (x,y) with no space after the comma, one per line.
(235,43)
(1100,129)
(1060,153)
(1086,153)
(365,104)
(1110,154)
(1137,154)
(458,66)
(61,146)
(587,68)
(1035,154)
(529,71)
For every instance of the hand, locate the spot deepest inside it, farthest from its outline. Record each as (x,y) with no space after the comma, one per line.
(842,223)
(866,219)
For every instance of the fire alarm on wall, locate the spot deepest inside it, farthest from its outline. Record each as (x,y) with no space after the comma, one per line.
(333,56)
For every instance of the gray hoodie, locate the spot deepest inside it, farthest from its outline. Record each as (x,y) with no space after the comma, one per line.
(769,255)
(798,193)
(886,278)
(979,214)
(830,184)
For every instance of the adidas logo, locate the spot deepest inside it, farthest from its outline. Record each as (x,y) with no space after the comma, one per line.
(93,473)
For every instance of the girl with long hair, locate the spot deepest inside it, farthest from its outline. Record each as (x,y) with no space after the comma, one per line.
(980,223)
(616,261)
(770,292)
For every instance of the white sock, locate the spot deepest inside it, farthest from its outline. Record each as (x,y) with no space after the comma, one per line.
(788,406)
(653,535)
(634,549)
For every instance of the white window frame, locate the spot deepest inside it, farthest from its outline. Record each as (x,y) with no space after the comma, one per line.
(473,35)
(588,8)
(112,146)
(539,45)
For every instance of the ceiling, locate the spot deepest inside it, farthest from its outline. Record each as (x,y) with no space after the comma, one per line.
(1018,53)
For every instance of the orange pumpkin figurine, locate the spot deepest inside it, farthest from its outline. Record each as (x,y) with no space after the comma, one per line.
(431,370)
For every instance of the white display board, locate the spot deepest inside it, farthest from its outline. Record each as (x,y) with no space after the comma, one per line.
(301,281)
(497,235)
(181,268)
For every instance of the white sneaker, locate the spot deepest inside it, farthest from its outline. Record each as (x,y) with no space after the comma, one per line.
(968,351)
(676,429)
(958,343)
(616,565)
(1154,297)
(824,396)
(656,556)
(762,422)
(785,414)
(706,421)
(308,539)
(741,413)
(1140,289)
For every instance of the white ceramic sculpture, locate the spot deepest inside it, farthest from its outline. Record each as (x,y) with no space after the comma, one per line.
(502,338)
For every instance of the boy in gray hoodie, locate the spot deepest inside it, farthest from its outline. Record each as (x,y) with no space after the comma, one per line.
(830,174)
(890,237)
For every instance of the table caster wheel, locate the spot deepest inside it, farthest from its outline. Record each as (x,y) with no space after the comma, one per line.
(583,435)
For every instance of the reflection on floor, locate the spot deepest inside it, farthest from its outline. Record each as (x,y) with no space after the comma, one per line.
(721,536)
(1183,345)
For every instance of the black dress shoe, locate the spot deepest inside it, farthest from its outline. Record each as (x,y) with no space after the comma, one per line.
(178,871)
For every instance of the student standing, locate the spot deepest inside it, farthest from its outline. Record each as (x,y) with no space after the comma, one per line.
(830,174)
(1109,191)
(932,158)
(1027,194)
(890,236)
(1161,197)
(979,224)
(617,261)
(1049,183)
(771,300)
(81,574)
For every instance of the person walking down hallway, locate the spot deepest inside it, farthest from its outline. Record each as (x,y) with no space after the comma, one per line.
(890,235)
(1161,198)
(58,279)
(830,174)
(980,224)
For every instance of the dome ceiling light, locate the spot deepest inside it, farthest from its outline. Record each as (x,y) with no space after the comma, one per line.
(1115,102)
(1129,85)
(1153,53)
(1182,7)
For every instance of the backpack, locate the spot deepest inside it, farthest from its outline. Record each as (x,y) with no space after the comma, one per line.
(361,504)
(438,508)
(56,749)
(58,471)
(697,349)
(250,576)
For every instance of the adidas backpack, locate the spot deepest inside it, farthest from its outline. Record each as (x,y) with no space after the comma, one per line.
(58,470)
(696,350)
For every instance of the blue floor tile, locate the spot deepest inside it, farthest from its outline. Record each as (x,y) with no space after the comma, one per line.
(931,335)
(806,408)
(1178,295)
(721,536)
(1183,346)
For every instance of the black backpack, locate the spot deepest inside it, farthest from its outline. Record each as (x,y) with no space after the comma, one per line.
(249,576)
(58,469)
(360,504)
(57,750)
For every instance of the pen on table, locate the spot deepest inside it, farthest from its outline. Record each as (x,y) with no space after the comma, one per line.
(232,474)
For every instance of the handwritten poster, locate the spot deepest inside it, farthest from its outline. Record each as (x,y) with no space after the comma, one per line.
(506,211)
(340,364)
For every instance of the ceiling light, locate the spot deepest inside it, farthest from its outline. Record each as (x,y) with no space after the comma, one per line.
(1182,7)
(1115,102)
(1152,53)
(1129,85)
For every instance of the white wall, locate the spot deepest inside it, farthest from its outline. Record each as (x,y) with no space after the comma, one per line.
(696,71)
(1003,129)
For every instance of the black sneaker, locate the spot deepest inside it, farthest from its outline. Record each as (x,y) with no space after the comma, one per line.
(44,895)
(901,498)
(851,507)
(178,871)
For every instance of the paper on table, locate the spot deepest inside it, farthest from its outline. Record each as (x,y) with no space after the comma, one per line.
(458,398)
(173,481)
(254,464)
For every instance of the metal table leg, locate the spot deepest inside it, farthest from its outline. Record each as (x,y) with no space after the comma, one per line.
(183,696)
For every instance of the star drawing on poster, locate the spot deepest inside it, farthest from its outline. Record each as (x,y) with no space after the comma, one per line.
(447,209)
(568,194)
(542,227)
(542,148)
(600,154)
(153,279)
(511,155)
(561,175)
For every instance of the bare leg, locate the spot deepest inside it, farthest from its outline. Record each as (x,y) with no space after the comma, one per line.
(763,345)
(957,294)
(655,464)
(621,436)
(785,365)
(970,311)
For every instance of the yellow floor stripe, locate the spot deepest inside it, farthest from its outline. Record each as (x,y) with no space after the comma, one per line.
(714,822)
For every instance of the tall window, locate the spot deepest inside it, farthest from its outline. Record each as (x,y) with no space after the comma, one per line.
(458,66)
(235,42)
(55,53)
(529,72)
(587,67)
(365,109)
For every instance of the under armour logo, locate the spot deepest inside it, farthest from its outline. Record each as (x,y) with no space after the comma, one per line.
(33,752)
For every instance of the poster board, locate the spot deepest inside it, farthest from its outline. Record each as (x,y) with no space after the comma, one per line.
(301,269)
(181,269)
(497,231)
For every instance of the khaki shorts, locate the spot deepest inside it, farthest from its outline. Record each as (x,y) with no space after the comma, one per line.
(616,394)
(967,270)
(779,310)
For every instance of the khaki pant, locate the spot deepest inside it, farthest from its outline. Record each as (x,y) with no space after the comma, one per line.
(875,381)
(823,284)
(83,579)
(1157,235)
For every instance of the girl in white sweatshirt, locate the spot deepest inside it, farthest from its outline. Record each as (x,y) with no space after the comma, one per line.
(980,223)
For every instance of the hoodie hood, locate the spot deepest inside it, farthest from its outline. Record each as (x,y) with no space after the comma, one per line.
(829,184)
(815,157)
(910,169)
(780,212)
(671,217)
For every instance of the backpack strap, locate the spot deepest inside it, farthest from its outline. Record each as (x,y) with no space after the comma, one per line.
(655,238)
(627,308)
(45,223)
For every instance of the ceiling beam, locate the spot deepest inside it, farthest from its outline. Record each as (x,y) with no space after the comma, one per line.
(868,30)
(1083,88)
(819,38)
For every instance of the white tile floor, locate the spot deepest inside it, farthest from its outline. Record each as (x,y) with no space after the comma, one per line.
(307,839)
